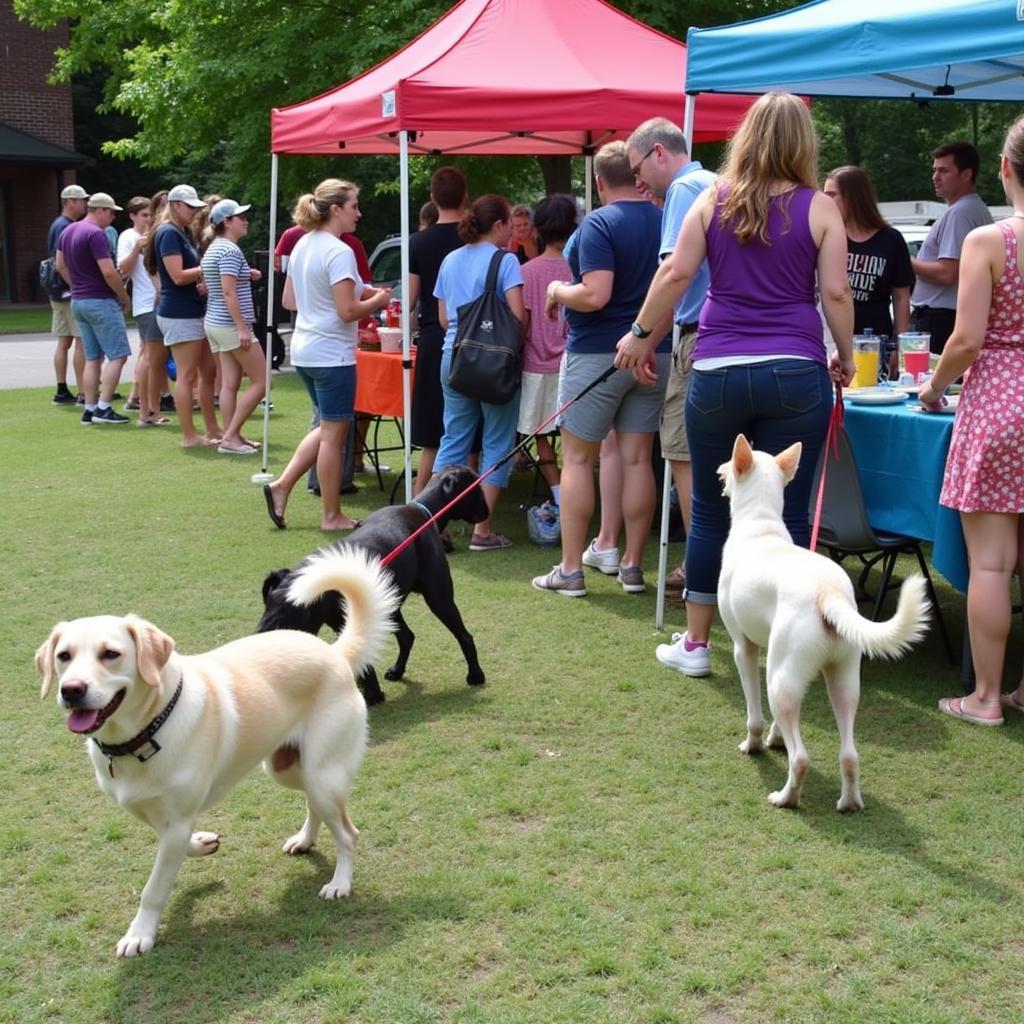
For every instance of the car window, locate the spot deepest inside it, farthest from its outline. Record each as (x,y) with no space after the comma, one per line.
(387,267)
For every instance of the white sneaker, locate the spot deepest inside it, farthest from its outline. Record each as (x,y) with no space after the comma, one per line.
(695,662)
(604,561)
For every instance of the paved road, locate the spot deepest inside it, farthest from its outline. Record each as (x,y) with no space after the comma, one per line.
(26,360)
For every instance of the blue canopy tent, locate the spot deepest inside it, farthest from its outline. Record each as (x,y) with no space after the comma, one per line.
(872,49)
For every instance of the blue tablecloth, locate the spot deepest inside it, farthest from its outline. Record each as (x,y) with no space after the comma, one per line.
(901,457)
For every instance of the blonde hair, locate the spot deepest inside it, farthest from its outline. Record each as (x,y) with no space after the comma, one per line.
(1013,148)
(775,142)
(611,165)
(313,209)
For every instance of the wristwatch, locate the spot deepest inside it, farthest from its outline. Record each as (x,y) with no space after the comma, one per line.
(638,331)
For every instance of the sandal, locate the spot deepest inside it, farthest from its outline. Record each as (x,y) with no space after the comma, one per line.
(955,706)
(1009,700)
(488,542)
(275,518)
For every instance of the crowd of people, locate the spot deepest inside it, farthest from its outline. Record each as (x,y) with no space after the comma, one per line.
(704,305)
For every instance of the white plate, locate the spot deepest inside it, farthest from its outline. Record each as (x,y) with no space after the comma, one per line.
(875,396)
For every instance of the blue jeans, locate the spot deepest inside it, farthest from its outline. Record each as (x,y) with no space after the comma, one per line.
(103,330)
(462,416)
(775,404)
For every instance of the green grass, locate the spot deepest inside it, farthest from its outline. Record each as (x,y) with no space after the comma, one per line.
(25,321)
(577,841)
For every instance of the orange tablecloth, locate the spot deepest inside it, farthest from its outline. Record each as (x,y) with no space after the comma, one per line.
(379,382)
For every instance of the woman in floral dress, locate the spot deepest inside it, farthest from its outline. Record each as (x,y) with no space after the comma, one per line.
(983,472)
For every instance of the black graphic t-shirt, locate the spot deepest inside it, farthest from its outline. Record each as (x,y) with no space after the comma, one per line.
(875,268)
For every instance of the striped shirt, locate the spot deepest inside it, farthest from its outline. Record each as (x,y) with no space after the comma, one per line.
(224,257)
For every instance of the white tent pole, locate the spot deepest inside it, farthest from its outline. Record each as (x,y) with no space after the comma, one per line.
(688,113)
(265,476)
(666,506)
(403,148)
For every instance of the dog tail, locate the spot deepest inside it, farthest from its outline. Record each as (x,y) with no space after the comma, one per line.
(371,599)
(880,639)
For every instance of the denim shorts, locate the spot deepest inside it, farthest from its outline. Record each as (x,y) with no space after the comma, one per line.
(176,331)
(103,330)
(149,329)
(332,390)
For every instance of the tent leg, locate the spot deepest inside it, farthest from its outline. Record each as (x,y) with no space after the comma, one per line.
(264,476)
(666,504)
(403,142)
(689,111)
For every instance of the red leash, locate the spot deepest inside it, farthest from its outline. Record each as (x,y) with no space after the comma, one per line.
(831,439)
(392,555)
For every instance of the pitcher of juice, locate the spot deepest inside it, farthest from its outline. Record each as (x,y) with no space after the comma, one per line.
(915,353)
(865,357)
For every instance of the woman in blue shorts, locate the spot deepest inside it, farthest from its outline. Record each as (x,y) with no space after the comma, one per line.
(324,288)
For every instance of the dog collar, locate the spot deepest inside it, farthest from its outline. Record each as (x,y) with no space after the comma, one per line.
(423,508)
(142,746)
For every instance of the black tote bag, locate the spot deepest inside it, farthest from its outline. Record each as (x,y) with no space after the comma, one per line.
(487,356)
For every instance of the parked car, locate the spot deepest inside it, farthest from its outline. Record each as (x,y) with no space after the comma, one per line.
(386,263)
(913,218)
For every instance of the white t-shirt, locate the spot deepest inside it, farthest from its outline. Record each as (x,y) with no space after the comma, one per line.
(321,338)
(143,289)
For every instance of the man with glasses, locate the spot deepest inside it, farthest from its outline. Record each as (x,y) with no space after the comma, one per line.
(661,162)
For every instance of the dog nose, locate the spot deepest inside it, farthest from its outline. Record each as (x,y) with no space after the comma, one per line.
(73,692)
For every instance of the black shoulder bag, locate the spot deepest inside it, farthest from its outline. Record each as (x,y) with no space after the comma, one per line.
(487,357)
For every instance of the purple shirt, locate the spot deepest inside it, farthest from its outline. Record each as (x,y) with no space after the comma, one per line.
(761,298)
(84,244)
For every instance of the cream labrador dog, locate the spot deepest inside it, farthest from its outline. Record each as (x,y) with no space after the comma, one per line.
(801,607)
(170,734)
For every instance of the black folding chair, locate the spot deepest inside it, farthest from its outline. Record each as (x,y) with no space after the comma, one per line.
(845,530)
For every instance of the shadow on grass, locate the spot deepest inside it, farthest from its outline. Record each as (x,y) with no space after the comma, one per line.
(410,703)
(881,827)
(228,967)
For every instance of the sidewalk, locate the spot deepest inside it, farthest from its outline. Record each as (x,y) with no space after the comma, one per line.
(26,360)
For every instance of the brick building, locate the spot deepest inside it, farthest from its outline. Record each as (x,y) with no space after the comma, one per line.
(37,157)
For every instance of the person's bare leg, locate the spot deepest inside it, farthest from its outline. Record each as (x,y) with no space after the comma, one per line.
(109,376)
(577,507)
(252,362)
(298,466)
(78,363)
(328,471)
(207,383)
(91,381)
(699,618)
(491,493)
(60,358)
(149,399)
(186,358)
(682,477)
(638,494)
(140,385)
(610,483)
(547,462)
(230,378)
(424,469)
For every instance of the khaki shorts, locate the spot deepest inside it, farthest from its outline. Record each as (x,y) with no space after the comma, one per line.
(63,324)
(538,401)
(222,337)
(672,429)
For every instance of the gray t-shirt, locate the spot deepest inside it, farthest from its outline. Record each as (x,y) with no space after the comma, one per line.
(944,242)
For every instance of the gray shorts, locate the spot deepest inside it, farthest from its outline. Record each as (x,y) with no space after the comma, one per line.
(176,331)
(149,329)
(672,428)
(618,402)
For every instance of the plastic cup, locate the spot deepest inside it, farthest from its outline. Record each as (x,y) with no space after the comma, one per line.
(865,359)
(915,353)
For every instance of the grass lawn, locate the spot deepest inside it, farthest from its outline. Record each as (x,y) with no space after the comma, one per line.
(577,841)
(25,321)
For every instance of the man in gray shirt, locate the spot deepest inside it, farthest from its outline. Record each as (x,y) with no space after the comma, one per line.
(937,264)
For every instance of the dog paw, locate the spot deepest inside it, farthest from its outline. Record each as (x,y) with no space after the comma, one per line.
(476,677)
(333,891)
(783,798)
(849,802)
(134,944)
(394,674)
(751,745)
(203,843)
(298,843)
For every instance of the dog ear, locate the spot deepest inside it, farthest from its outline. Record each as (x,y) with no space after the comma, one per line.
(789,460)
(271,582)
(742,456)
(44,658)
(152,648)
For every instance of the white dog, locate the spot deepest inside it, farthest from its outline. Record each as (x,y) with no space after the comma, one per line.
(170,735)
(800,606)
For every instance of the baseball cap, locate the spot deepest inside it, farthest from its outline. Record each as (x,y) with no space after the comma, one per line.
(227,208)
(185,194)
(74,192)
(102,201)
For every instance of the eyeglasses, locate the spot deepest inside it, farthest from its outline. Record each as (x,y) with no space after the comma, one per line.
(635,169)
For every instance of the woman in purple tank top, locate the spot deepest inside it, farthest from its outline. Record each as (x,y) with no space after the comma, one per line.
(759,365)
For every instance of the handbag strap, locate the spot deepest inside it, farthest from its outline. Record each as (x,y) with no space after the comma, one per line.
(491,284)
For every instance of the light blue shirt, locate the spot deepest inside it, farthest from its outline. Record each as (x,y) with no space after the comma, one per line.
(681,194)
(462,277)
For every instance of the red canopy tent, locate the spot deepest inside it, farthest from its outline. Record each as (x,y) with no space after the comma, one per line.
(590,74)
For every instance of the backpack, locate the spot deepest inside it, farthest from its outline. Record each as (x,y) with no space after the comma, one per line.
(52,283)
(487,357)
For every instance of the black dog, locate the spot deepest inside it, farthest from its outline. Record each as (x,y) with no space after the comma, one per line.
(421,567)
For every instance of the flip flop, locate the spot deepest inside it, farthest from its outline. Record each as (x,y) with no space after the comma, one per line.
(268,497)
(954,706)
(356,523)
(1011,702)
